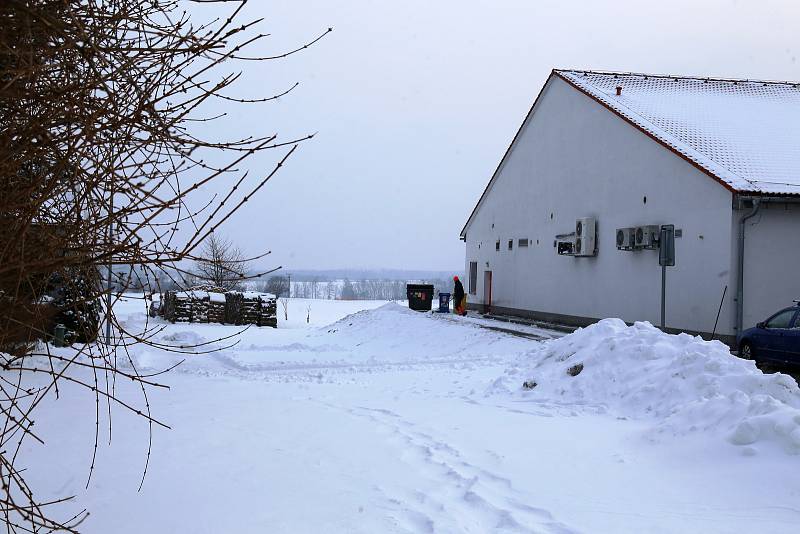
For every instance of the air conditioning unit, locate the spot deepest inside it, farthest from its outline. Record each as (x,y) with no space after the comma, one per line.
(626,238)
(585,236)
(647,236)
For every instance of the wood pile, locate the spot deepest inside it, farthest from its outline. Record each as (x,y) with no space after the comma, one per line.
(216,307)
(249,307)
(185,306)
(232,307)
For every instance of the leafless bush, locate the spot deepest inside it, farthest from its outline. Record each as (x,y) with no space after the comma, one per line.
(100,165)
(285,306)
(221,264)
(277,285)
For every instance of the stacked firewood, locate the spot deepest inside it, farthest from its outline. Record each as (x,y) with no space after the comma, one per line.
(185,306)
(232,307)
(249,307)
(216,307)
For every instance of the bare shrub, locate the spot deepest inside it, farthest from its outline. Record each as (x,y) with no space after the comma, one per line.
(285,306)
(277,285)
(221,264)
(100,168)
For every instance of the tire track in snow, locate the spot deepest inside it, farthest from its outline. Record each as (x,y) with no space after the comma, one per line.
(470,498)
(232,363)
(220,364)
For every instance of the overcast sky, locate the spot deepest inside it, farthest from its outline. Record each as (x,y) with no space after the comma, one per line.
(416,101)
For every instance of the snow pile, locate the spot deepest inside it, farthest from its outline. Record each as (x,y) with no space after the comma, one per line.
(395,333)
(366,341)
(390,324)
(682,382)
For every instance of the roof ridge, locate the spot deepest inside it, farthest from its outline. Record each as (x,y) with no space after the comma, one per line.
(795,84)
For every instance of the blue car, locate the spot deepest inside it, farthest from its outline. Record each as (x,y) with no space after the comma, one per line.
(774,341)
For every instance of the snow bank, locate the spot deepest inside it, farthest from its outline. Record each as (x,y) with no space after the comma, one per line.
(365,341)
(683,383)
(396,333)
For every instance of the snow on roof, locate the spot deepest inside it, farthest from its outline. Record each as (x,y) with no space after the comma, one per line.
(216,297)
(257,295)
(192,294)
(745,133)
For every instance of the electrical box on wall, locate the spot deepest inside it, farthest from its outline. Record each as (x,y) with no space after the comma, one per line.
(585,237)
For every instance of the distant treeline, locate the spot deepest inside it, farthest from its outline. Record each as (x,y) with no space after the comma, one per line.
(346,289)
(306,284)
(366,274)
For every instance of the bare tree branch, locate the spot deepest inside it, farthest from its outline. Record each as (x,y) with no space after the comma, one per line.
(101,167)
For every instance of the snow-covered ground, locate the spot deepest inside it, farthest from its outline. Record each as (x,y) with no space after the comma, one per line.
(374,418)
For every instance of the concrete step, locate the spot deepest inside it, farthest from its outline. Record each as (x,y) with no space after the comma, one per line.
(530,322)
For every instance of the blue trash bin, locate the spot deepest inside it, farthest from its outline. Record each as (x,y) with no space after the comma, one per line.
(444,302)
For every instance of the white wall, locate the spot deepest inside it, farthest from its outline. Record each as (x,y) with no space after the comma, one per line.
(772,261)
(574,158)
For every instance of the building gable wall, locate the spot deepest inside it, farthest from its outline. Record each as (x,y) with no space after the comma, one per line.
(575,158)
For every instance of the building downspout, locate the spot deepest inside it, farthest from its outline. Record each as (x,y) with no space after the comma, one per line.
(740,278)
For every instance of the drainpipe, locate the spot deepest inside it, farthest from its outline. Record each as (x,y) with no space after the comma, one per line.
(740,279)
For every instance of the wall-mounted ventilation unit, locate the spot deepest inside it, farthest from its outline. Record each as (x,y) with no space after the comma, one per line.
(647,236)
(565,244)
(565,248)
(585,236)
(626,238)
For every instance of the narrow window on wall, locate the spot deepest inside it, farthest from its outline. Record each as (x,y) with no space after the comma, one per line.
(510,244)
(473,277)
(497,246)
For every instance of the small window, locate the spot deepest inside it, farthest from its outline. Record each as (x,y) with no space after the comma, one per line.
(497,246)
(473,277)
(781,320)
(523,242)
(510,244)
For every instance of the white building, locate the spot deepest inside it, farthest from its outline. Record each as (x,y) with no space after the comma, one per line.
(718,159)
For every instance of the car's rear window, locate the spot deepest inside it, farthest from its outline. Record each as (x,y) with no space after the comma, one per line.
(782,320)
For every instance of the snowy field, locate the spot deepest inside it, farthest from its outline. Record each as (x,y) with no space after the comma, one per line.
(373,418)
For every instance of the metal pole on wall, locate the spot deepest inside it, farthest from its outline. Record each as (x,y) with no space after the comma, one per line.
(666,258)
(663,296)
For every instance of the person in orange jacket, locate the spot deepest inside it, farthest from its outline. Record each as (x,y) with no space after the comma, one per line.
(459,297)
